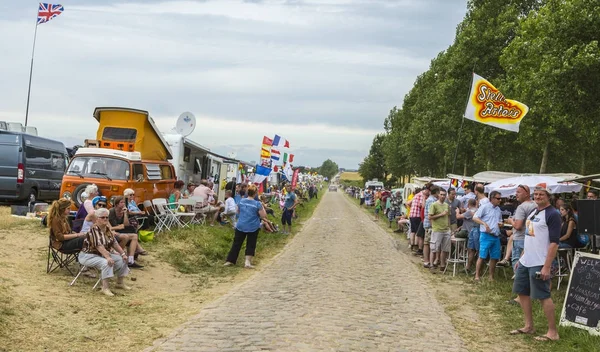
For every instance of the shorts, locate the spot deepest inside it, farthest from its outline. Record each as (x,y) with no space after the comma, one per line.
(414,224)
(376,210)
(286,216)
(517,249)
(526,284)
(489,246)
(421,230)
(473,242)
(427,237)
(440,242)
(392,214)
(362,201)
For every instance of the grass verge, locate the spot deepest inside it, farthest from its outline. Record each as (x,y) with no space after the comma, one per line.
(489,299)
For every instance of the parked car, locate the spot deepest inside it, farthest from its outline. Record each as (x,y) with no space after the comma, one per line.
(332,188)
(31,167)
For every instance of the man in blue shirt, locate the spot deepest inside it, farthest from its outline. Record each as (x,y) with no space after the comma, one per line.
(289,204)
(489,218)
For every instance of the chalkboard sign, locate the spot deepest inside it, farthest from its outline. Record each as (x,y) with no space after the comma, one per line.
(581,308)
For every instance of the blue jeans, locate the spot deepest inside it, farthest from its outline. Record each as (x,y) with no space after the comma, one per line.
(517,249)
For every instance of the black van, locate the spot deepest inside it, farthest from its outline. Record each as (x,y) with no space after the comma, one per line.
(31,167)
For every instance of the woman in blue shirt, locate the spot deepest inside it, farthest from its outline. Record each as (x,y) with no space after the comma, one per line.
(250,213)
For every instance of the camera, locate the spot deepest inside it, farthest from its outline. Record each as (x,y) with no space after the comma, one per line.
(538,275)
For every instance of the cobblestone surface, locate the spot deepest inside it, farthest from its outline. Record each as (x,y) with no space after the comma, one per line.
(340,285)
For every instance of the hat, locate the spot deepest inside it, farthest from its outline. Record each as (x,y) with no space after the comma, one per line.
(542,187)
(98,199)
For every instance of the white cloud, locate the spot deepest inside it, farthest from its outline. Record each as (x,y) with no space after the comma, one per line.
(324,73)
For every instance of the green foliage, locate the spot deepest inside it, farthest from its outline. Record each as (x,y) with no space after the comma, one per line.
(544,53)
(328,169)
(373,166)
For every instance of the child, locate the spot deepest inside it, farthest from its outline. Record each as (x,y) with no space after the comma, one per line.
(377,207)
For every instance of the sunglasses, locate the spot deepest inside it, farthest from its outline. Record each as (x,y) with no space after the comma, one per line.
(132,194)
(103,217)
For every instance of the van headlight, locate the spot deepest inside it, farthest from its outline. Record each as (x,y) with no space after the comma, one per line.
(67,195)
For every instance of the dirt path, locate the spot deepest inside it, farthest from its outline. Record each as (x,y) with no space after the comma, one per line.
(339,285)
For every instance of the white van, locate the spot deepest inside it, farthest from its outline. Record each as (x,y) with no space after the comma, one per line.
(374,184)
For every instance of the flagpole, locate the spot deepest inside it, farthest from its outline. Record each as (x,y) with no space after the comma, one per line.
(31,69)
(462,123)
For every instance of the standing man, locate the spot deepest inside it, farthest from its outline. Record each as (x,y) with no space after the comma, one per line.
(532,279)
(289,204)
(440,227)
(395,204)
(489,217)
(416,206)
(433,197)
(454,204)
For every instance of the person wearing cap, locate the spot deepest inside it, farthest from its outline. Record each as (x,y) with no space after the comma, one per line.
(489,218)
(532,277)
(97,203)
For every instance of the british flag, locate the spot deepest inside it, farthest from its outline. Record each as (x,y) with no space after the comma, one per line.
(46,12)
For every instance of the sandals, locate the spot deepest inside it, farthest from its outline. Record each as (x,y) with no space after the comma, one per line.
(513,303)
(544,338)
(521,332)
(503,262)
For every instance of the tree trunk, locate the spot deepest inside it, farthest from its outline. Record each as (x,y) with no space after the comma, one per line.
(544,164)
(465,168)
(582,170)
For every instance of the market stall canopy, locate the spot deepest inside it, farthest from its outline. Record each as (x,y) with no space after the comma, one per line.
(508,187)
(422,180)
(595,178)
(492,176)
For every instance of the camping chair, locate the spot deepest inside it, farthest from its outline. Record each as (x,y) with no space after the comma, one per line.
(81,270)
(59,259)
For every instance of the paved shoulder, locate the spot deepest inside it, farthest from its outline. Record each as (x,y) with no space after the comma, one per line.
(340,285)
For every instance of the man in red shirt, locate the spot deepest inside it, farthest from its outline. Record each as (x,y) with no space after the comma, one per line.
(417,205)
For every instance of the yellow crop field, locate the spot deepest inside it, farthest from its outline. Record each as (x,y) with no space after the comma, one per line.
(350,176)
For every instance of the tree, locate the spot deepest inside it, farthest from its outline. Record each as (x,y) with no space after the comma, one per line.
(328,169)
(373,166)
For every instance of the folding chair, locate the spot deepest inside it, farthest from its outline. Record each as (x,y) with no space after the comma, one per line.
(81,270)
(190,215)
(162,217)
(59,259)
(200,217)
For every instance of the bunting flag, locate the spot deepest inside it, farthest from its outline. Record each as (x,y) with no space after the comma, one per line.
(267,141)
(280,142)
(285,158)
(291,160)
(265,153)
(454,182)
(275,154)
(275,168)
(488,106)
(260,174)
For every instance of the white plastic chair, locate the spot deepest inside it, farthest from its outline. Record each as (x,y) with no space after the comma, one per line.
(163,217)
(200,217)
(180,216)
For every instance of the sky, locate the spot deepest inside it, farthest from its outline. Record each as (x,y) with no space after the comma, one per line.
(322,74)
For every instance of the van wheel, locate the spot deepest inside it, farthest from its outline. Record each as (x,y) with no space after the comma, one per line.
(76,196)
(32,197)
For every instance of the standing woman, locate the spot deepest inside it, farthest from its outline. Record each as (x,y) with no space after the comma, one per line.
(60,231)
(250,213)
(101,250)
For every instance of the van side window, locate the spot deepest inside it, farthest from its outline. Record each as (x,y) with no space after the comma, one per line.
(138,172)
(37,157)
(58,162)
(153,172)
(165,172)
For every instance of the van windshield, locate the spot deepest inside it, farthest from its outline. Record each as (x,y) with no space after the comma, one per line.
(99,167)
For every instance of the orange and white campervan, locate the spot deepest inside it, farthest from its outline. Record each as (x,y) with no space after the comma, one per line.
(128,152)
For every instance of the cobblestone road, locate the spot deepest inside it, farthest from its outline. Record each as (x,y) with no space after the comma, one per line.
(340,285)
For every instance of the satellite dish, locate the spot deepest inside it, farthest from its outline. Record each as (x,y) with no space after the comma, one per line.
(185,123)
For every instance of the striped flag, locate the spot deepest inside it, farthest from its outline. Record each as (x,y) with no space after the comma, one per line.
(275,154)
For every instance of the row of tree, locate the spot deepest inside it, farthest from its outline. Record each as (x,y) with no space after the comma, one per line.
(544,53)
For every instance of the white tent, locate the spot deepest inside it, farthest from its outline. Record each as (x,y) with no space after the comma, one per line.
(508,186)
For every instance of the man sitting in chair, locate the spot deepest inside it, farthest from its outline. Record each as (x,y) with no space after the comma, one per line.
(205,208)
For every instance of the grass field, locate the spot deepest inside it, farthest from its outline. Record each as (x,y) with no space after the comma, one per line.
(183,271)
(350,176)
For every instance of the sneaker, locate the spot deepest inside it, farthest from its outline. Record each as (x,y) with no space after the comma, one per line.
(107,292)
(426,265)
(418,253)
(123,287)
(397,231)
(135,265)
(228,264)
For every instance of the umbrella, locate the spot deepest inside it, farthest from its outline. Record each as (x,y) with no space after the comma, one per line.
(508,186)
